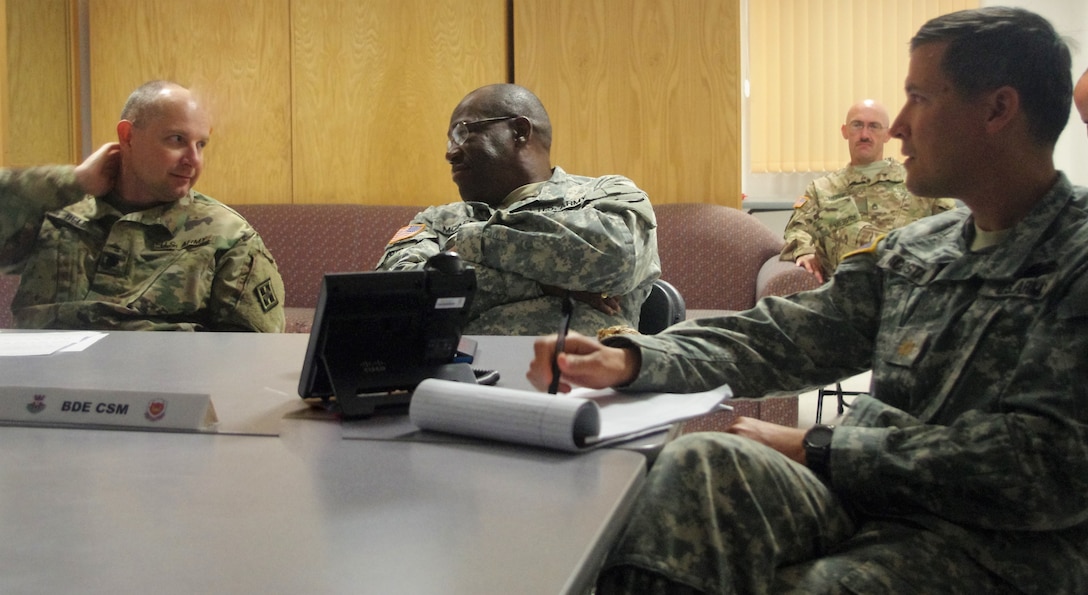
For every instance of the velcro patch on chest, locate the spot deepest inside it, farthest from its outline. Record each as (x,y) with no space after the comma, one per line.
(909,348)
(406,232)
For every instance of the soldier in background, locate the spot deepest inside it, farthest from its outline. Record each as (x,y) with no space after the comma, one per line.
(123,242)
(533,233)
(966,468)
(848,209)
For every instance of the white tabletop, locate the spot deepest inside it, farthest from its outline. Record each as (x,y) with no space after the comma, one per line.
(112,511)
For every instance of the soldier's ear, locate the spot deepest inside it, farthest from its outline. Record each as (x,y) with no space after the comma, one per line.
(523,128)
(124,133)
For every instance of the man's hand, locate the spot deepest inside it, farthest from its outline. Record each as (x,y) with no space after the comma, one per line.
(585,362)
(811,263)
(98,173)
(786,440)
(608,304)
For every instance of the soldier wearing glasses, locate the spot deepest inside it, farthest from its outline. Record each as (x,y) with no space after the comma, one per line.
(847,209)
(534,233)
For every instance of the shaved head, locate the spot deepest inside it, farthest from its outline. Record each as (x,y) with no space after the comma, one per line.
(869,107)
(866,131)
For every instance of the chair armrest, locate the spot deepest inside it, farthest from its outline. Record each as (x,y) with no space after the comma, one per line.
(783,277)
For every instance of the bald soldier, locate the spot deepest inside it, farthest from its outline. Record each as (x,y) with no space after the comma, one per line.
(123,242)
(534,233)
(849,208)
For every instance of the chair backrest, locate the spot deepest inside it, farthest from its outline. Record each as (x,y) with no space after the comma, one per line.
(713,253)
(663,308)
(308,241)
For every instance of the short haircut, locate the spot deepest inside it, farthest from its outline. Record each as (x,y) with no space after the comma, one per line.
(510,99)
(144,103)
(998,46)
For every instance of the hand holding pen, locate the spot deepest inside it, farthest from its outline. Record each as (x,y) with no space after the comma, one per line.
(586,362)
(561,342)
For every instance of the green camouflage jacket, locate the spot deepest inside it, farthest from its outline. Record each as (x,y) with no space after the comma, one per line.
(977,426)
(191,265)
(847,210)
(576,233)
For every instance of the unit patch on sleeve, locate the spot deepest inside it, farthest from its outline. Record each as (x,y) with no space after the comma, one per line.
(867,248)
(266,295)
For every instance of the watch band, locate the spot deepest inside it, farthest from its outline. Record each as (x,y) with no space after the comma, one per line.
(817,445)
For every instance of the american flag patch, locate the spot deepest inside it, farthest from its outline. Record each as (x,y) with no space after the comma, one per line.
(800,202)
(406,232)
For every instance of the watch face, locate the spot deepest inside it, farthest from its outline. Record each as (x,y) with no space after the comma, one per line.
(819,436)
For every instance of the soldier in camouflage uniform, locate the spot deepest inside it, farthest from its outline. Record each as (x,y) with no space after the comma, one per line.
(533,233)
(848,209)
(966,469)
(122,242)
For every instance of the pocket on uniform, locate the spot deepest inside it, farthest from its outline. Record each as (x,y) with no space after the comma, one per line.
(179,283)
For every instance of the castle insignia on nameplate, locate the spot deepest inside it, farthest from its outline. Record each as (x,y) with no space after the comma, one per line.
(156,409)
(38,405)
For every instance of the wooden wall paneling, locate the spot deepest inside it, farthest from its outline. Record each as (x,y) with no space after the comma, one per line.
(41,117)
(4,102)
(645,88)
(374,84)
(234,53)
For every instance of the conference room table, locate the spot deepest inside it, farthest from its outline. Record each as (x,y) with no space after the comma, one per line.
(278,500)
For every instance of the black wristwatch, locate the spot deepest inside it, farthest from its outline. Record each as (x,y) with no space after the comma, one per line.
(818,449)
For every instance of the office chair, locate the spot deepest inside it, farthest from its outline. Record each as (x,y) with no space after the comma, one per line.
(663,308)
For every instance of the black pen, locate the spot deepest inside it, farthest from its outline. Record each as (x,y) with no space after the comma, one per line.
(561,342)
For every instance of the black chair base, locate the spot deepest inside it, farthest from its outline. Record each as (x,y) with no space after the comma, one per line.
(839,393)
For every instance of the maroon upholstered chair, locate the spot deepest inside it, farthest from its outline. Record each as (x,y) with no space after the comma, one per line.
(309,240)
(8,285)
(721,259)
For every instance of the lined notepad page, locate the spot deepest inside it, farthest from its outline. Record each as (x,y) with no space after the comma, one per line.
(568,422)
(526,417)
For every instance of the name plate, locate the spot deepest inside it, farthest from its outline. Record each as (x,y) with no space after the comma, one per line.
(35,405)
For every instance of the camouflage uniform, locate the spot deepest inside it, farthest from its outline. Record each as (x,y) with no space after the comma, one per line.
(846,210)
(965,471)
(191,265)
(577,233)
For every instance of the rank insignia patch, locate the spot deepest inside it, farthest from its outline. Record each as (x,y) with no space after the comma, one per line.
(266,295)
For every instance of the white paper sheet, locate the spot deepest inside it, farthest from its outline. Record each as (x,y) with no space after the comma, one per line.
(571,422)
(47,343)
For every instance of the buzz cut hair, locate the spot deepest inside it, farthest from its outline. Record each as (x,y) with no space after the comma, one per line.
(508,99)
(144,103)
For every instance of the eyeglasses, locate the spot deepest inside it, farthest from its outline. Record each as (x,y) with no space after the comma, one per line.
(858,125)
(460,131)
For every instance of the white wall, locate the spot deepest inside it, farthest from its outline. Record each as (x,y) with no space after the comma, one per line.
(1070,18)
